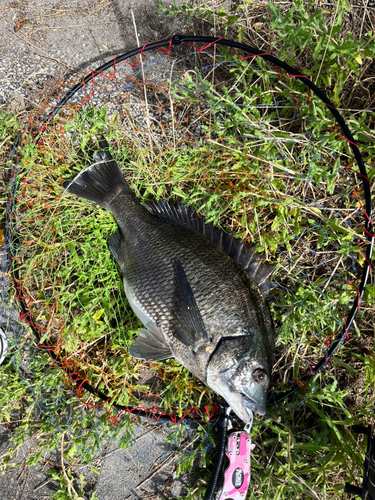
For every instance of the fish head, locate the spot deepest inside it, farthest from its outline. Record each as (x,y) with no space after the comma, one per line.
(240,371)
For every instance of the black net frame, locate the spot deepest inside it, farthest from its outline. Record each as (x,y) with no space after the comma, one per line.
(165,45)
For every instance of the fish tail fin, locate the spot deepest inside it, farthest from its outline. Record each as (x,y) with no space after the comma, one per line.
(102,181)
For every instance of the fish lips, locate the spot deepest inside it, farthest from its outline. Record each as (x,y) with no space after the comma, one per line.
(244,407)
(250,406)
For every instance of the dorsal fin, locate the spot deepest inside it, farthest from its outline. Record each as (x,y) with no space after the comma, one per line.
(240,251)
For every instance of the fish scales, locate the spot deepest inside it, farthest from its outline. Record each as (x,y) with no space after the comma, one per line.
(155,277)
(197,303)
(156,274)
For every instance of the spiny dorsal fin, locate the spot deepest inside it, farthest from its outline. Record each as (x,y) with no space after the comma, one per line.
(241,252)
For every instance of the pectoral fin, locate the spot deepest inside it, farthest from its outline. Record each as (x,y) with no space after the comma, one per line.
(150,345)
(187,323)
(114,242)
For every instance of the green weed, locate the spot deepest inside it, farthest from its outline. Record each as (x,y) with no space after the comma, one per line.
(264,165)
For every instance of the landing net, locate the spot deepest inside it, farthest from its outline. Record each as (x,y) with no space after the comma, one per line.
(227,133)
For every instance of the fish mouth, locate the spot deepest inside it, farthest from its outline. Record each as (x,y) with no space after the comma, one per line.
(249,406)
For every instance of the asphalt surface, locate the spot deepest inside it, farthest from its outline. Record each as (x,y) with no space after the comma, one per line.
(44,42)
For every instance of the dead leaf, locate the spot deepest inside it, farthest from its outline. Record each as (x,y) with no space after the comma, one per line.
(19,24)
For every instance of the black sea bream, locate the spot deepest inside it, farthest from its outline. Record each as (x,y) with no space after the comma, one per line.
(192,286)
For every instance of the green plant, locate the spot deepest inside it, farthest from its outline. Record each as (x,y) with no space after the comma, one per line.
(66,490)
(343,55)
(9,127)
(247,170)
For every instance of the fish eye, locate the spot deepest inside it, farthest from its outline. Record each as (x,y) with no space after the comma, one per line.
(260,376)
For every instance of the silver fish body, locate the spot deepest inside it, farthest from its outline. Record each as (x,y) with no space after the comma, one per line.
(197,304)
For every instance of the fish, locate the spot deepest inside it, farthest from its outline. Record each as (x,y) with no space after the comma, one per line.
(196,289)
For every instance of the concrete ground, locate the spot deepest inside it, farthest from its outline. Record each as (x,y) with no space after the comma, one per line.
(41,43)
(43,40)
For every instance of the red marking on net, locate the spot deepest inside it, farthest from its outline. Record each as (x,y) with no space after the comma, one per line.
(38,132)
(327,339)
(114,418)
(138,56)
(294,76)
(211,413)
(326,342)
(347,140)
(169,48)
(312,372)
(370,234)
(354,193)
(68,363)
(47,348)
(77,374)
(155,413)
(346,330)
(297,382)
(350,163)
(81,384)
(23,315)
(291,76)
(330,106)
(173,417)
(114,69)
(333,128)
(90,405)
(112,75)
(364,256)
(92,84)
(249,57)
(358,173)
(205,47)
(358,294)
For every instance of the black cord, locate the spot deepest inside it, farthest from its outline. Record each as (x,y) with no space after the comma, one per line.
(3,346)
(220,451)
(367,491)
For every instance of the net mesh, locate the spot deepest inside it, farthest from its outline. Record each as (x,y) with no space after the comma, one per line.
(231,137)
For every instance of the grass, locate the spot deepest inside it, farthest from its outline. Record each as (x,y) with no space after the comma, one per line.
(251,152)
